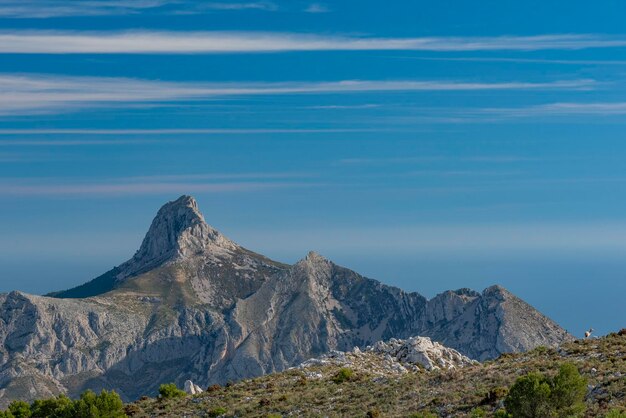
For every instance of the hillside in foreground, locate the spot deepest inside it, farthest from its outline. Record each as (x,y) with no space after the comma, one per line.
(472,391)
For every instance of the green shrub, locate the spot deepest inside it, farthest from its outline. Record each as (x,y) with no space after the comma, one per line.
(529,397)
(614,413)
(6,414)
(478,413)
(89,405)
(537,396)
(170,391)
(59,407)
(343,375)
(216,412)
(424,415)
(20,409)
(104,405)
(568,392)
(501,413)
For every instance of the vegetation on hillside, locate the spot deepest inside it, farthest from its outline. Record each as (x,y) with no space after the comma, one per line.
(170,391)
(89,405)
(585,378)
(536,395)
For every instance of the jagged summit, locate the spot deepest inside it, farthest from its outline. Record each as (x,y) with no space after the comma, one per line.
(177,231)
(313,258)
(496,289)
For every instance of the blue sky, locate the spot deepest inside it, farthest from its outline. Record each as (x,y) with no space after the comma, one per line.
(429,145)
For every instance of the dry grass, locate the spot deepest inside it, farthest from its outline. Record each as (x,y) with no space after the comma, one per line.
(468,392)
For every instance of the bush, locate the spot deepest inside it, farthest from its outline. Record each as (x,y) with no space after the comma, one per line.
(478,413)
(216,412)
(537,396)
(104,405)
(20,409)
(568,392)
(343,375)
(614,413)
(170,391)
(90,405)
(59,407)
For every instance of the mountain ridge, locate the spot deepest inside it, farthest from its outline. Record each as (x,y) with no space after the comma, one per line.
(192,304)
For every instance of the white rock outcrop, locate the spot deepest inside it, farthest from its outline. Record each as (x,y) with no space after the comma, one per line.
(192,389)
(396,357)
(423,351)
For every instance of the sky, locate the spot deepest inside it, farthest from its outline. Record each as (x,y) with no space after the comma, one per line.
(429,145)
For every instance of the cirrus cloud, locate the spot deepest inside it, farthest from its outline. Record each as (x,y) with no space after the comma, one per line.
(154,42)
(31,94)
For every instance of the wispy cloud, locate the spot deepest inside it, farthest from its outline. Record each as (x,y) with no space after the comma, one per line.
(28,94)
(158,184)
(151,42)
(336,107)
(56,8)
(134,188)
(498,159)
(317,8)
(546,112)
(70,142)
(155,132)
(597,108)
(543,111)
(288,175)
(41,9)
(516,60)
(258,5)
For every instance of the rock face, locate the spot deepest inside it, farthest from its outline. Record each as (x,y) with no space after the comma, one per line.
(192,389)
(191,304)
(395,357)
(178,231)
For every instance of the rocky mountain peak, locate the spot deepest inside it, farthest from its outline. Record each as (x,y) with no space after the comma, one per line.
(314,262)
(497,291)
(178,231)
(314,257)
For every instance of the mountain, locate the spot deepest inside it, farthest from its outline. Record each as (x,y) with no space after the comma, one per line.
(192,304)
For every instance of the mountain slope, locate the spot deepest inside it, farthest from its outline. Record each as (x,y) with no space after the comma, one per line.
(378,387)
(192,304)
